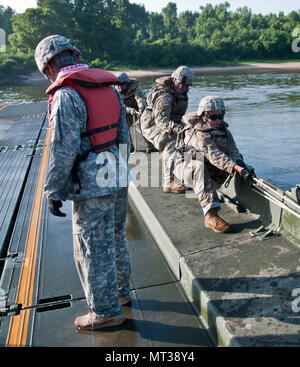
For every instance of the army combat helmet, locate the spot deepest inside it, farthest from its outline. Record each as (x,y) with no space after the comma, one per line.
(51,46)
(184,74)
(123,77)
(210,103)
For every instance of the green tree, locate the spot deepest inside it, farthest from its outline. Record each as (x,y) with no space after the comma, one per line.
(33,25)
(117,32)
(155,26)
(170,19)
(186,25)
(94,32)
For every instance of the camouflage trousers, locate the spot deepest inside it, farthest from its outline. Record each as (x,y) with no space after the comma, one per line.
(100,250)
(168,158)
(193,173)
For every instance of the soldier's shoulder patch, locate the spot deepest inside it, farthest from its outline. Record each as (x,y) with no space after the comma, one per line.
(165,101)
(206,135)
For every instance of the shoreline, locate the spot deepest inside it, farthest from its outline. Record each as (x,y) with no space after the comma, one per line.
(36,77)
(212,69)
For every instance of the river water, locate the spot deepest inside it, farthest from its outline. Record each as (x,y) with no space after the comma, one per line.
(262,110)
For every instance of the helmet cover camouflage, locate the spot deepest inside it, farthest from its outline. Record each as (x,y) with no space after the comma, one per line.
(123,77)
(51,46)
(184,75)
(210,103)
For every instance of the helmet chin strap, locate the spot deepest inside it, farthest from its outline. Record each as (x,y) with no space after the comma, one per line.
(58,62)
(51,71)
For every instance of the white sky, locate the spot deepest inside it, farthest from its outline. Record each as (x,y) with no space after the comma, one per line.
(19,5)
(257,6)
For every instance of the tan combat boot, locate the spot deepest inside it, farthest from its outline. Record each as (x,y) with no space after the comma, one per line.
(216,223)
(92,321)
(173,189)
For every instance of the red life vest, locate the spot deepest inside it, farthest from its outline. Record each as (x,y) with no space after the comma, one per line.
(103,107)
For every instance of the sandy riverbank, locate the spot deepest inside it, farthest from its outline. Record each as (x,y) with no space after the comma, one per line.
(36,76)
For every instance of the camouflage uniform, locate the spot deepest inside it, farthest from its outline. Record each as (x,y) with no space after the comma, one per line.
(133,97)
(99,209)
(161,118)
(213,154)
(100,251)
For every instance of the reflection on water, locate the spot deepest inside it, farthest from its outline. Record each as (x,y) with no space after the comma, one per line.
(23,94)
(263,112)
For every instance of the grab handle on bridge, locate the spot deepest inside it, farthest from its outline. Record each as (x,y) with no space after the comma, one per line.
(267,190)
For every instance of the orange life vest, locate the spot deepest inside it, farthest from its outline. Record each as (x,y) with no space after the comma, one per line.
(103,107)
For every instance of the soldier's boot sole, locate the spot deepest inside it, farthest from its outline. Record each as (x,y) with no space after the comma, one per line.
(170,190)
(88,323)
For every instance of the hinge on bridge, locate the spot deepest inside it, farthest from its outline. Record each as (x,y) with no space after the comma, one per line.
(14,257)
(8,310)
(263,233)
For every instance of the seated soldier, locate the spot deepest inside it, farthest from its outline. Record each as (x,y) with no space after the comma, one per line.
(213,157)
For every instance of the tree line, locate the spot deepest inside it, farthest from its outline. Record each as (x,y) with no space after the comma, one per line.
(114,33)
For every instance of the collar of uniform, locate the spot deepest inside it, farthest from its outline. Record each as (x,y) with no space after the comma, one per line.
(204,126)
(70,69)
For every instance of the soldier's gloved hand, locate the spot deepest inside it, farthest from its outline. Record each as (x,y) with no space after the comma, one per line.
(53,206)
(250,168)
(177,128)
(240,163)
(131,111)
(247,175)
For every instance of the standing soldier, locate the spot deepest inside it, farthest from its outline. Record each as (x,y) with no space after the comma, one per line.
(87,119)
(207,155)
(135,102)
(167,102)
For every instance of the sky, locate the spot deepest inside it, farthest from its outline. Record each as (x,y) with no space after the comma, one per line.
(257,6)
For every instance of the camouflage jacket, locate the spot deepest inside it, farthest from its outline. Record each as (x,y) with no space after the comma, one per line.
(134,96)
(216,144)
(164,110)
(97,173)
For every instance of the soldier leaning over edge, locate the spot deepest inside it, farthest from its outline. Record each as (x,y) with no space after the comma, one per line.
(206,133)
(135,101)
(80,103)
(167,102)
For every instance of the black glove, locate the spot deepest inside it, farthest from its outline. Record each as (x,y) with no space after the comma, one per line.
(298,194)
(247,175)
(53,206)
(240,163)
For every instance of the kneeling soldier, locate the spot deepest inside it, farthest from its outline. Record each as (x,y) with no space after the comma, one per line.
(214,156)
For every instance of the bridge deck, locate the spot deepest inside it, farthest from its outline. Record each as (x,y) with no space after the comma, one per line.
(40,289)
